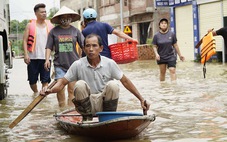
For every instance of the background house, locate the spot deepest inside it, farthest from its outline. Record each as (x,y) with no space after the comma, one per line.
(191,19)
(141,16)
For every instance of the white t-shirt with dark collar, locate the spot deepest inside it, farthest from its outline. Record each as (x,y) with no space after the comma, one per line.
(97,77)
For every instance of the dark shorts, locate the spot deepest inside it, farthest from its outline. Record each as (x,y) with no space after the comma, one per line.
(168,63)
(36,68)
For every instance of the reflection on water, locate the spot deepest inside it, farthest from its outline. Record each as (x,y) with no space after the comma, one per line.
(192,109)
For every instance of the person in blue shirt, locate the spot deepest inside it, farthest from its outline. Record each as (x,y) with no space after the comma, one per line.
(101,29)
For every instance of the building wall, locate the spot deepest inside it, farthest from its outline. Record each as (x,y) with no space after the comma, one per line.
(135,12)
(4,15)
(79,6)
(210,15)
(184,31)
(225,8)
(145,52)
(110,13)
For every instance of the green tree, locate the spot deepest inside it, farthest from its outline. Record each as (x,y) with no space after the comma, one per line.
(18,27)
(52,11)
(13,26)
(23,25)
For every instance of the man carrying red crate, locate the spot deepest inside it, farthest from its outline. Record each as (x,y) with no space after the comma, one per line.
(101,29)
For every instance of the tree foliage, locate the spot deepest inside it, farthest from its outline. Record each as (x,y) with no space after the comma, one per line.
(53,11)
(17,27)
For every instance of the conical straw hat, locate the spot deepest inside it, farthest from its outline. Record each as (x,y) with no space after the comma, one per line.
(63,11)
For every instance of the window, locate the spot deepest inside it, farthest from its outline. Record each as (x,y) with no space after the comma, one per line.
(125,2)
(112,1)
(4,13)
(117,1)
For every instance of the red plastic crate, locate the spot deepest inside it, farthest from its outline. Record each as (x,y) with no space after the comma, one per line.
(124,52)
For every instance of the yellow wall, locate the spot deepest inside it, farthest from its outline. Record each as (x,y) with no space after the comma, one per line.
(225,7)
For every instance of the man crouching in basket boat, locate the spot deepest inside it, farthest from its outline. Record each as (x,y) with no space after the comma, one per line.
(95,89)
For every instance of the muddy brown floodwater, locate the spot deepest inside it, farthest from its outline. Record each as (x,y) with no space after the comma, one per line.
(191,110)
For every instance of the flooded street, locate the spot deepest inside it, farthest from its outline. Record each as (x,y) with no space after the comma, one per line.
(191,110)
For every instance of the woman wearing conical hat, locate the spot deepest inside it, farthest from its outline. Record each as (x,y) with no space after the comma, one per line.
(62,40)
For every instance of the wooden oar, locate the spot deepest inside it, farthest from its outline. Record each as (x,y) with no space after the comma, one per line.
(36,101)
(144,110)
